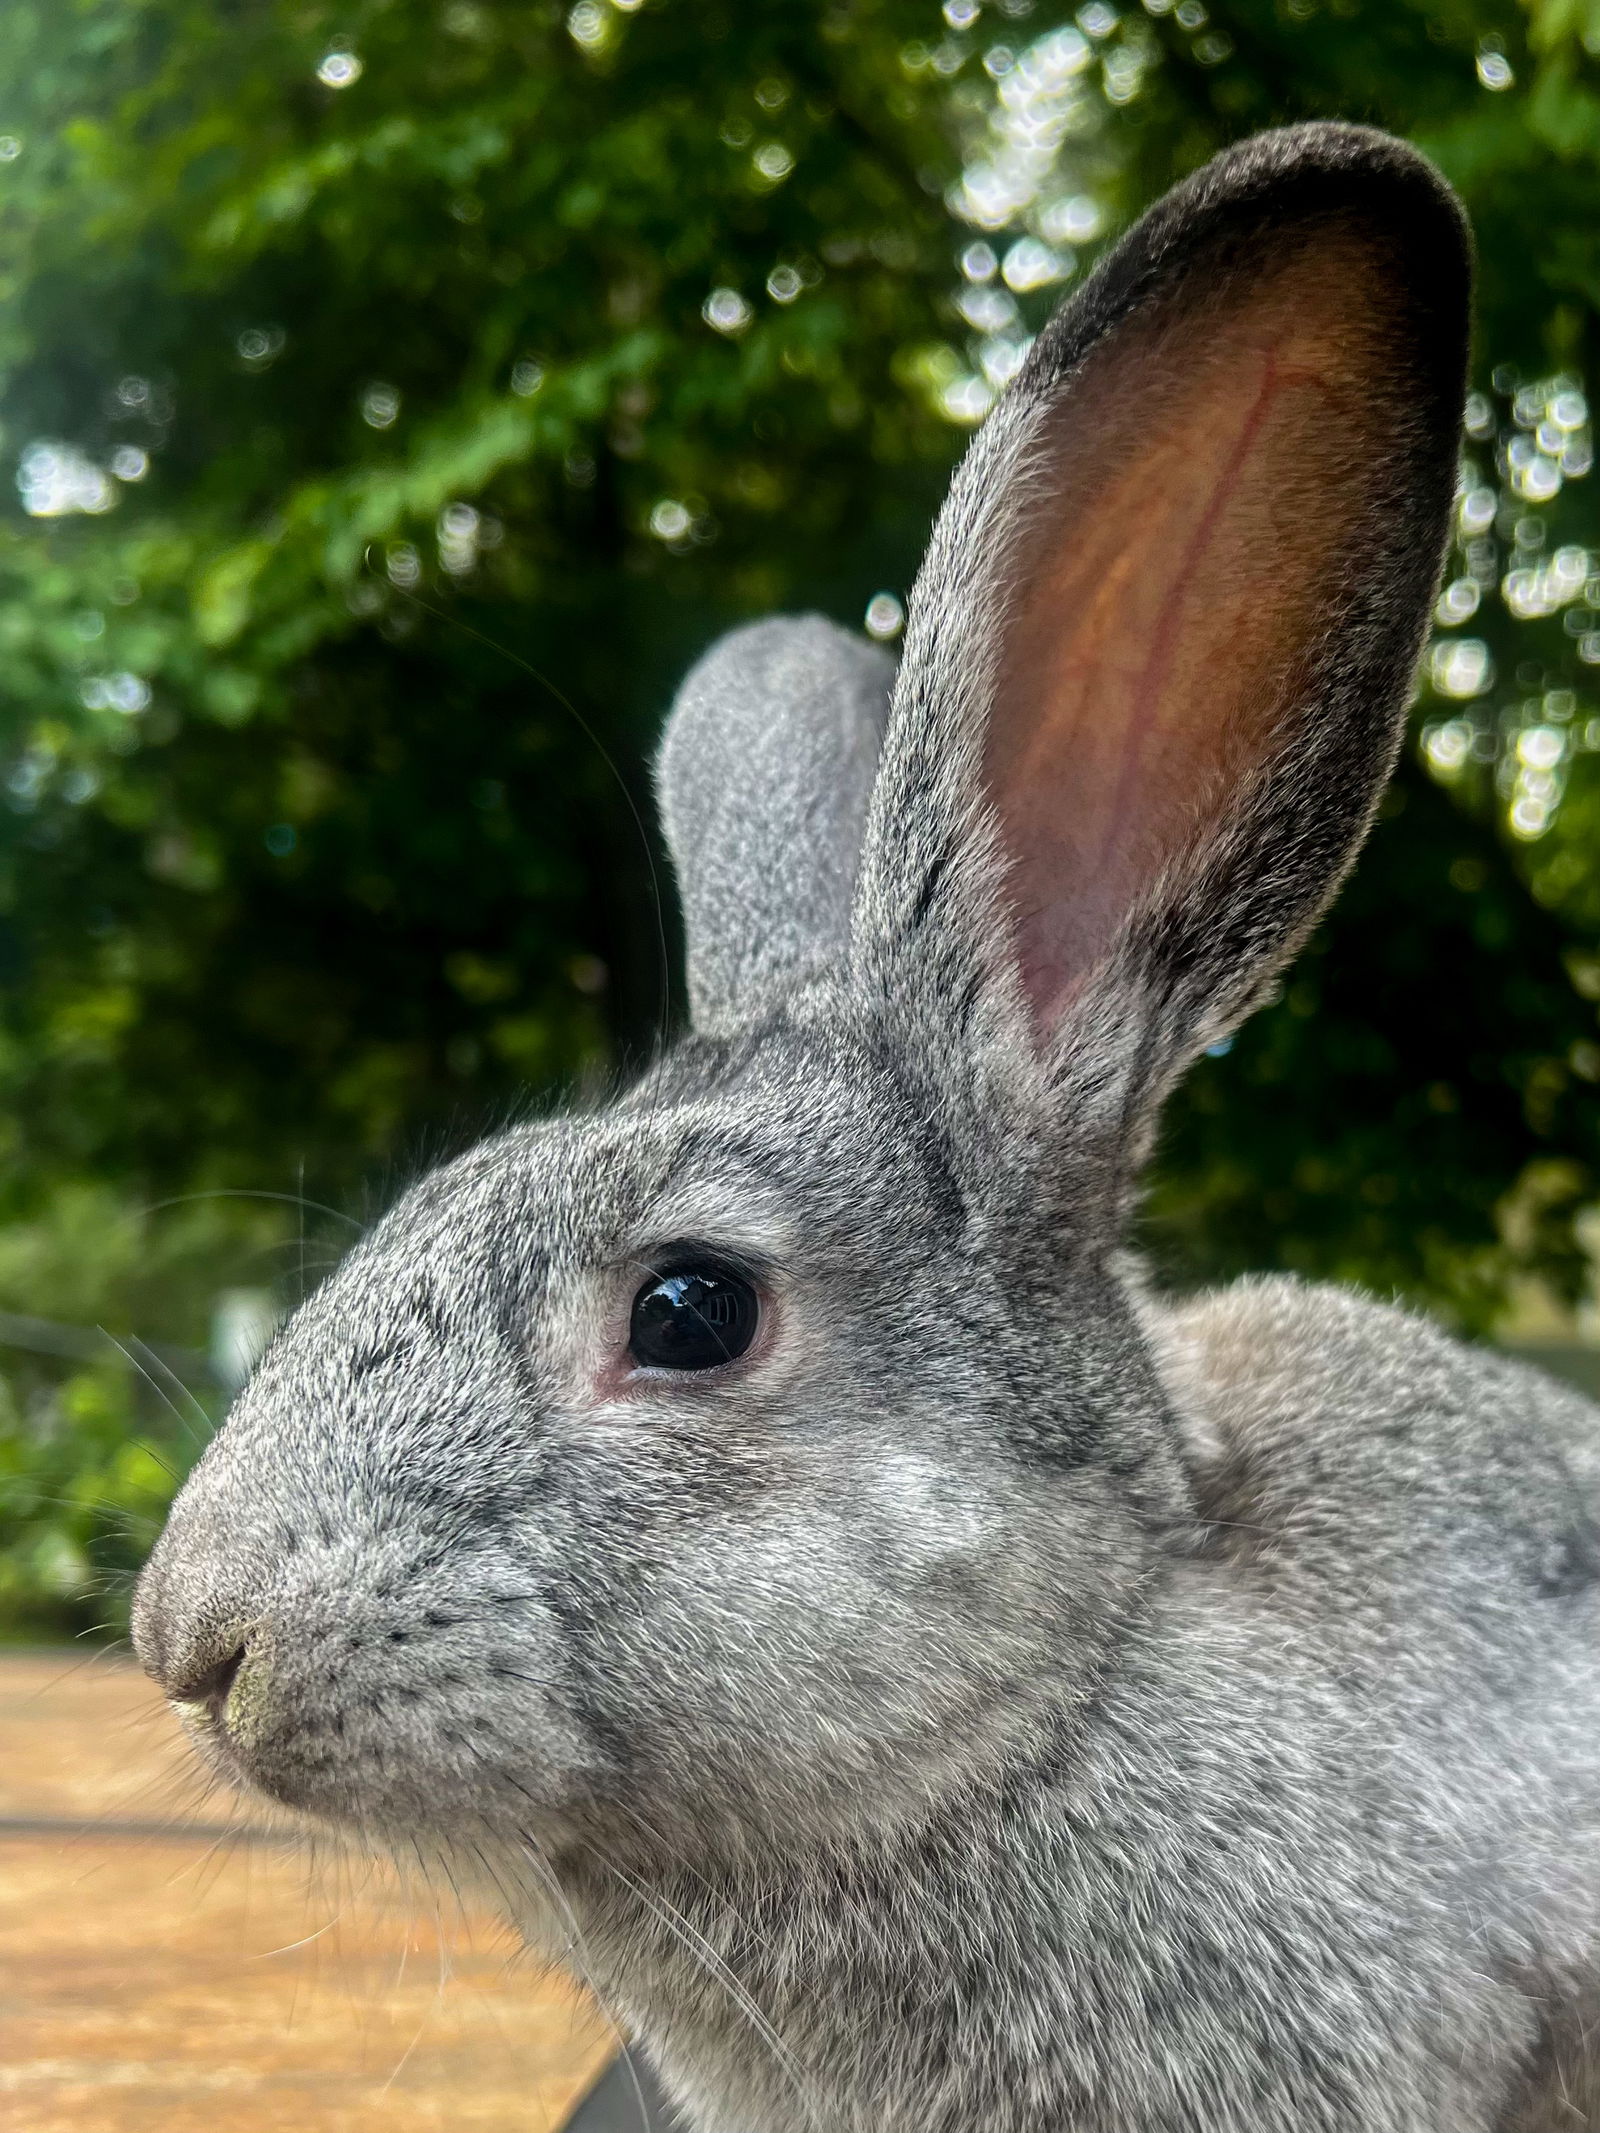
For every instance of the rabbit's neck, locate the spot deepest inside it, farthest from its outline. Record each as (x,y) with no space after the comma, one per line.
(814,2001)
(1145,1903)
(895,1986)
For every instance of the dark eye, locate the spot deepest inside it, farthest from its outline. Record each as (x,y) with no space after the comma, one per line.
(693,1319)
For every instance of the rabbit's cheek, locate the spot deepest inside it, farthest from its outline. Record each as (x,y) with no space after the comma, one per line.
(926,1521)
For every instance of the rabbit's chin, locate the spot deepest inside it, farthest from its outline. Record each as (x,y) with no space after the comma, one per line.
(414,1805)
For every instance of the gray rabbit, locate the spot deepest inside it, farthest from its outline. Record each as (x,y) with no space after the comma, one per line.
(763,1533)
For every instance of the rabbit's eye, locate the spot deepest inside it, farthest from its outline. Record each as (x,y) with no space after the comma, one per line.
(693,1319)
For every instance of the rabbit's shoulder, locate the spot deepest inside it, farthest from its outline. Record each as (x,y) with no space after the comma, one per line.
(1321,1424)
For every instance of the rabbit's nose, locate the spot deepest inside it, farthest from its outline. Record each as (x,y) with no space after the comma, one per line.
(194,1663)
(205,1692)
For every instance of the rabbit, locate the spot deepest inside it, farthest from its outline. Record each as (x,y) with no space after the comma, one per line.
(767,1533)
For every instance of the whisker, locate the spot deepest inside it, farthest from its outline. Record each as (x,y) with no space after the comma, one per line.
(717,1968)
(245,1192)
(160,1363)
(152,1381)
(621,783)
(576,1952)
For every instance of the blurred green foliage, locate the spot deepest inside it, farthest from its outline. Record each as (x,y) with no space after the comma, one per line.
(92,1446)
(400,394)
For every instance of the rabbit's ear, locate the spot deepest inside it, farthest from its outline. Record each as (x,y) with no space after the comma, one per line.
(764,778)
(1159,653)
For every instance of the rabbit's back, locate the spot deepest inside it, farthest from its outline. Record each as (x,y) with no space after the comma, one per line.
(1329,1434)
(1416,1523)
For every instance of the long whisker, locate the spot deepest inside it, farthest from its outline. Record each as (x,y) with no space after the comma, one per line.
(576,1951)
(154,1384)
(717,1968)
(143,1444)
(587,730)
(244,1192)
(160,1363)
(102,1506)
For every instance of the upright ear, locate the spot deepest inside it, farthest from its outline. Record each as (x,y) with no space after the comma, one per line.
(1159,654)
(764,776)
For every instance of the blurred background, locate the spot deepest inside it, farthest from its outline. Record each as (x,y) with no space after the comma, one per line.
(397,396)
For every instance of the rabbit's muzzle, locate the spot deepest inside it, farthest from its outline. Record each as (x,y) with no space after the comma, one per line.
(253,1688)
(361,1676)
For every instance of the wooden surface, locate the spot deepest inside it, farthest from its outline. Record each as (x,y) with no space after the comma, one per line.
(165,1969)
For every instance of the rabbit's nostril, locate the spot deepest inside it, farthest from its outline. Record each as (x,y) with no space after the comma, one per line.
(210,1689)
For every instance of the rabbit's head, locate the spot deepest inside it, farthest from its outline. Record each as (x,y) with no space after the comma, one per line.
(779,1446)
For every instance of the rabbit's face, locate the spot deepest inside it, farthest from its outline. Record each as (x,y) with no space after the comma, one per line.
(468,1546)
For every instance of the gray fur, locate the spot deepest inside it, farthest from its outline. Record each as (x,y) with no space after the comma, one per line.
(1004,1702)
(764,776)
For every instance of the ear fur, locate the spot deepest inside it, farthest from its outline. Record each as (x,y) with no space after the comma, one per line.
(1158,656)
(764,776)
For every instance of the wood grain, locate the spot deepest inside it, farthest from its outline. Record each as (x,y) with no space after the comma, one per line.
(165,1966)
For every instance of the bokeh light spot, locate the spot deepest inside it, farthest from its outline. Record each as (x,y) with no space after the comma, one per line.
(885,616)
(670,520)
(1029,264)
(338,70)
(380,404)
(55,480)
(1461,667)
(773,162)
(1495,70)
(589,26)
(726,311)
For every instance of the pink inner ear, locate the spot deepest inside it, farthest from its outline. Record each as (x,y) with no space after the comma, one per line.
(1208,473)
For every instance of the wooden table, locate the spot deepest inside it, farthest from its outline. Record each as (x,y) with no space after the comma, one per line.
(164,1968)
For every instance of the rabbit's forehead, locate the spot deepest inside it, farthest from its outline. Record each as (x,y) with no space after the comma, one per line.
(768,1166)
